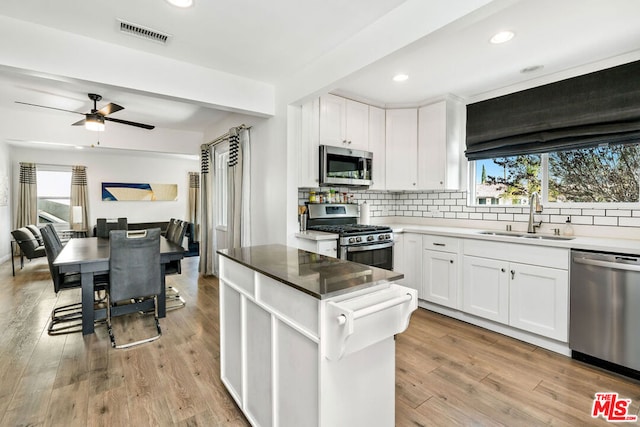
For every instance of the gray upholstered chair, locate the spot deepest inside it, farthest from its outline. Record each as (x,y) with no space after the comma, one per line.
(171,228)
(66,318)
(104,226)
(173,298)
(134,273)
(28,244)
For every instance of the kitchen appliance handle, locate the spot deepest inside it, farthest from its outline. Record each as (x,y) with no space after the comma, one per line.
(606,264)
(371,247)
(367,311)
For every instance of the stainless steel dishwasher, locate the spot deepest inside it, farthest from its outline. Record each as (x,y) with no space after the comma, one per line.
(604,320)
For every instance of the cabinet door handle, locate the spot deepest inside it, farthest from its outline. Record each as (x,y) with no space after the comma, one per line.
(502,270)
(439,244)
(513,274)
(451,261)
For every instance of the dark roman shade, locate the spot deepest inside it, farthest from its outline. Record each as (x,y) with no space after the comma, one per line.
(584,111)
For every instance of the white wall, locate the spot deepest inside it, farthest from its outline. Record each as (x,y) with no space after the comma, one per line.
(117,166)
(5,211)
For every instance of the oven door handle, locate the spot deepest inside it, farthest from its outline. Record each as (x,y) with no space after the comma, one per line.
(369,247)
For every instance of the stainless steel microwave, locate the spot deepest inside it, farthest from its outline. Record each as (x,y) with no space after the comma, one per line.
(345,167)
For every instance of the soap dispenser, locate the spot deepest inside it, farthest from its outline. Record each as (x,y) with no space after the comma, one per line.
(568,229)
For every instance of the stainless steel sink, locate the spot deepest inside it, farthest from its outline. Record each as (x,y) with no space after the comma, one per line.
(500,233)
(542,237)
(525,236)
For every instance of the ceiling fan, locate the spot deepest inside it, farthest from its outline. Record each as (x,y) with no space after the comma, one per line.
(94,120)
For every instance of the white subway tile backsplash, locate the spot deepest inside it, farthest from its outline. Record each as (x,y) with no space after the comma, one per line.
(453,205)
(618,212)
(605,220)
(628,222)
(583,220)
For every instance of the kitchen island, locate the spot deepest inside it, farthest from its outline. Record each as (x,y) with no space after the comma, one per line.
(308,340)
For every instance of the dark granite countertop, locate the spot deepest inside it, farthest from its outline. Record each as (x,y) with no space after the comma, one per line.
(314,274)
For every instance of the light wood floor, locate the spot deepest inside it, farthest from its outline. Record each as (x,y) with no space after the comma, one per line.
(448,372)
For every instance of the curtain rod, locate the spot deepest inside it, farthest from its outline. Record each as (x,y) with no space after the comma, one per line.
(225,136)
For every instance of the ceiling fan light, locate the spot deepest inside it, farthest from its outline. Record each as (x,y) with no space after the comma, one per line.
(94,122)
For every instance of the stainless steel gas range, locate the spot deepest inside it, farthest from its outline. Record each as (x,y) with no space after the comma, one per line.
(365,244)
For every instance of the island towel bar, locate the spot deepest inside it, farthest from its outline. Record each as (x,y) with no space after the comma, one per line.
(342,319)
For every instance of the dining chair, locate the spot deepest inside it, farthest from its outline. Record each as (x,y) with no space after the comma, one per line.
(28,244)
(104,226)
(66,318)
(134,273)
(173,297)
(171,228)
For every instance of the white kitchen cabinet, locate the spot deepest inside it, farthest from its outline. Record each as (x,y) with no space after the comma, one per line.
(377,147)
(322,247)
(524,286)
(413,262)
(440,266)
(401,150)
(539,300)
(344,123)
(308,150)
(485,288)
(440,145)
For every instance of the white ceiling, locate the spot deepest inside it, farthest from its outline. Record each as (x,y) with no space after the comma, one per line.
(269,40)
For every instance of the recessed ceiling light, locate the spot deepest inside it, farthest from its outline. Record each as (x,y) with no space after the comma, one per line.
(502,37)
(181,3)
(400,77)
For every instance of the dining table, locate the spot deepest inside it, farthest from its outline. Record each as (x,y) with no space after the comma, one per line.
(90,256)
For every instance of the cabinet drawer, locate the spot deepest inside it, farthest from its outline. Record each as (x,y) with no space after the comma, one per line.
(440,243)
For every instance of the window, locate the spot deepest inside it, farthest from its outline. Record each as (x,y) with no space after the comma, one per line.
(54,194)
(603,174)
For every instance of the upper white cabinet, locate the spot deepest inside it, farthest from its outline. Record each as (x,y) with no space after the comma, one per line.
(376,146)
(440,145)
(401,149)
(308,151)
(344,122)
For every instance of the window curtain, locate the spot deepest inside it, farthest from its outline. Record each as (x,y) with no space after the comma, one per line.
(194,203)
(80,194)
(239,184)
(584,111)
(28,196)
(238,173)
(206,212)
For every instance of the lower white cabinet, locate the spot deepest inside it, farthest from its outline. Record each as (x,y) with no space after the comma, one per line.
(440,270)
(523,286)
(538,300)
(440,280)
(485,289)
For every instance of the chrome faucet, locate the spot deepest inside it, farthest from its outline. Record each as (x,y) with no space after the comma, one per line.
(531,228)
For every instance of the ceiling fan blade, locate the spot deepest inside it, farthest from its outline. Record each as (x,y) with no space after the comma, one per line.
(110,108)
(50,108)
(126,122)
(79,123)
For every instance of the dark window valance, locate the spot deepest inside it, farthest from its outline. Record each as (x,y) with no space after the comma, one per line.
(584,111)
